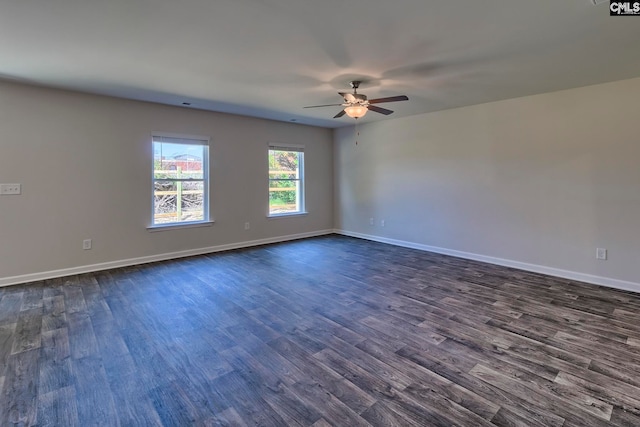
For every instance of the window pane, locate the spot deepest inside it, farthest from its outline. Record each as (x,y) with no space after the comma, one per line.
(283,196)
(180,180)
(177,161)
(164,201)
(192,201)
(166,206)
(285,181)
(284,164)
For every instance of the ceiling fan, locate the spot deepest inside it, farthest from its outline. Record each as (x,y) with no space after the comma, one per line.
(356,104)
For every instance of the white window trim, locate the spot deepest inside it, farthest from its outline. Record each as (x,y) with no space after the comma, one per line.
(286,214)
(174,225)
(185,136)
(284,146)
(197,140)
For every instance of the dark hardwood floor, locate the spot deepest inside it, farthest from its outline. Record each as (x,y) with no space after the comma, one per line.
(329,331)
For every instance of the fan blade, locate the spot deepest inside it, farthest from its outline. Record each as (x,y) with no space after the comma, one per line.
(325,105)
(389,99)
(379,110)
(340,114)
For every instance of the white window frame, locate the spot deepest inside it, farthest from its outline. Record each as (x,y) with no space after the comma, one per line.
(173,138)
(301,180)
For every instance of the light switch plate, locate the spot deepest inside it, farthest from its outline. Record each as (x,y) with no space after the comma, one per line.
(10,189)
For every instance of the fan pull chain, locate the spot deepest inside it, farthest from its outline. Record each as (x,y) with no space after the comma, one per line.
(357,132)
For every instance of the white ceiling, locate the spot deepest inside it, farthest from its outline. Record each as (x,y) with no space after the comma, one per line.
(270,58)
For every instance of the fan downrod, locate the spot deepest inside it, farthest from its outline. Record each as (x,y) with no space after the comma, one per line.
(355,85)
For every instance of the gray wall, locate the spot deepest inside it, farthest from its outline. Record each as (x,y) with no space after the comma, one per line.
(84,163)
(541,180)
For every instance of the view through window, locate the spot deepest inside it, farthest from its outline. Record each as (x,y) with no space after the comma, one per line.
(286,180)
(180,180)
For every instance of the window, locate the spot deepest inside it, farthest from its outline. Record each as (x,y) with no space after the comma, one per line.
(180,180)
(286,180)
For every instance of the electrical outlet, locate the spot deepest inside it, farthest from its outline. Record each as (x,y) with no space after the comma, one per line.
(86,244)
(247,226)
(382,223)
(10,189)
(601,253)
(371,221)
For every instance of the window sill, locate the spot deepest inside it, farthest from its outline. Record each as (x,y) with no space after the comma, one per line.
(173,226)
(285,215)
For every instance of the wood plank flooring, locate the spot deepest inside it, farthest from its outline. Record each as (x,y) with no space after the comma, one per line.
(330,331)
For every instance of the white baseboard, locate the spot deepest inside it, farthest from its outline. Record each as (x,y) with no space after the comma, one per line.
(566,274)
(26,278)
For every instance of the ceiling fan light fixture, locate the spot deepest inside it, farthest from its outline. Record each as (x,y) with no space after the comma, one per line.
(358,104)
(355,111)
